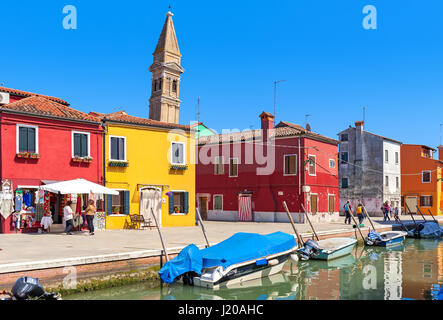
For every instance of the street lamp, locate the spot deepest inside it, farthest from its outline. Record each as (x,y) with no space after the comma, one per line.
(275,96)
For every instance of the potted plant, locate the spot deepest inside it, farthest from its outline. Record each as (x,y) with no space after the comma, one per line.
(116,210)
(177,209)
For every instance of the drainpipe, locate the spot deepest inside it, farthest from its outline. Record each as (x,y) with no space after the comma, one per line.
(104,153)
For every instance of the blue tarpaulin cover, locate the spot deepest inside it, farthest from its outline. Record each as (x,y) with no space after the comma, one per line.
(236,249)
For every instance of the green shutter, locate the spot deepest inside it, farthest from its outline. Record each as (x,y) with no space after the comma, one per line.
(171,203)
(76,144)
(22,139)
(84,145)
(108,204)
(186,202)
(126,202)
(31,140)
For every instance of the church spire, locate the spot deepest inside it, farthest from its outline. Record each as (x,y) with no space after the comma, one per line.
(164,104)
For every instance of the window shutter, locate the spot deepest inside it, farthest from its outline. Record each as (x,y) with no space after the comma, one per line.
(171,203)
(431,202)
(114,146)
(126,202)
(421,201)
(185,202)
(31,140)
(22,139)
(84,145)
(121,149)
(76,144)
(108,204)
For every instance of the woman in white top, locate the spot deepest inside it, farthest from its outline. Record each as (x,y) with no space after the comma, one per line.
(69,217)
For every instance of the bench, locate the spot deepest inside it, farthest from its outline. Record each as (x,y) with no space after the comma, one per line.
(140,222)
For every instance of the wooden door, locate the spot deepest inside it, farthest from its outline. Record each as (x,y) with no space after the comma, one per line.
(412,204)
(203,207)
(314,203)
(331,203)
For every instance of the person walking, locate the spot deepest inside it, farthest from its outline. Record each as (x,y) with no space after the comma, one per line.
(90,212)
(396,214)
(359,212)
(348,210)
(68,214)
(386,210)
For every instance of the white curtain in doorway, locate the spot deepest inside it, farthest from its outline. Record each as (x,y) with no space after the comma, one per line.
(151,198)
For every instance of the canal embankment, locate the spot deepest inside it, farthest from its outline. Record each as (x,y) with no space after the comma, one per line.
(117,257)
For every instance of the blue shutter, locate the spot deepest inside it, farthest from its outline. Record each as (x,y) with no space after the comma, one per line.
(31,140)
(108,204)
(171,203)
(76,144)
(22,139)
(84,145)
(185,202)
(126,202)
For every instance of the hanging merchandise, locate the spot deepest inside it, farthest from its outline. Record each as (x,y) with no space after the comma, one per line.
(6,204)
(47,203)
(18,200)
(27,198)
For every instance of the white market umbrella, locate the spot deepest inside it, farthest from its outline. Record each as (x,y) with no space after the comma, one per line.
(77,186)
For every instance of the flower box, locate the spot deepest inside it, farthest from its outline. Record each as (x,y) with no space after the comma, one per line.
(28,155)
(179,167)
(82,159)
(118,163)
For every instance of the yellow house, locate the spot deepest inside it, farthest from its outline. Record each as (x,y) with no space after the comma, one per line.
(151,161)
(151,164)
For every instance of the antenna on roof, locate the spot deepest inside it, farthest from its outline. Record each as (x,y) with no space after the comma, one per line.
(364,113)
(169,7)
(197,111)
(441,125)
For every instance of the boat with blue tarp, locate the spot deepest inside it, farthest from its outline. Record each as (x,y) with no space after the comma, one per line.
(385,239)
(240,258)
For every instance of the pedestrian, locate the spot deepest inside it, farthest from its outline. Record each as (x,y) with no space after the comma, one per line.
(396,214)
(348,210)
(386,210)
(90,212)
(359,212)
(68,214)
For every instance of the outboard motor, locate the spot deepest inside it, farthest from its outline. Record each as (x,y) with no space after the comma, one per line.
(27,288)
(310,249)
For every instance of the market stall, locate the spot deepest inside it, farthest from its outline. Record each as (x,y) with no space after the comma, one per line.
(79,191)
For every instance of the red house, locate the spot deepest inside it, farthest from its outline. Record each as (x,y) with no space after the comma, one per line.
(43,140)
(246,176)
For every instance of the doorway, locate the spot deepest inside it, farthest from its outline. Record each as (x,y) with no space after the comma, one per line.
(150,198)
(244,208)
(314,203)
(203,207)
(331,203)
(411,202)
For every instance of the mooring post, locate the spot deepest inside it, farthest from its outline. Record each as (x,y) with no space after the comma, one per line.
(299,237)
(309,220)
(203,227)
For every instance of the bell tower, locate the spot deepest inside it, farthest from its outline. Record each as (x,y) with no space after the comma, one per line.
(164,104)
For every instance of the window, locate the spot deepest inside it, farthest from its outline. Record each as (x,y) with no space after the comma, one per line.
(80,144)
(160,82)
(118,204)
(386,156)
(174,86)
(27,139)
(155,85)
(233,167)
(117,148)
(219,166)
(344,137)
(290,164)
(312,166)
(344,182)
(397,158)
(178,153)
(179,202)
(386,181)
(426,176)
(425,201)
(397,182)
(218,202)
(344,157)
(331,163)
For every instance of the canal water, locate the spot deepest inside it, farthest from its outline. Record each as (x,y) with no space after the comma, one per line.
(413,270)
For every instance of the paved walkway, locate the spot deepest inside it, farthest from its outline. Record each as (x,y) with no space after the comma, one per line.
(29,248)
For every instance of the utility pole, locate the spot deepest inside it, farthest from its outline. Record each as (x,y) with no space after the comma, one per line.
(275,97)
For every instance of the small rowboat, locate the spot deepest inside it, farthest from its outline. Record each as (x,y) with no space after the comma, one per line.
(385,239)
(327,249)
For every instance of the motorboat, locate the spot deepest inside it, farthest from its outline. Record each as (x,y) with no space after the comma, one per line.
(326,249)
(425,230)
(240,258)
(386,238)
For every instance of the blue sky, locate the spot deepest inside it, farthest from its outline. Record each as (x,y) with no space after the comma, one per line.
(232,52)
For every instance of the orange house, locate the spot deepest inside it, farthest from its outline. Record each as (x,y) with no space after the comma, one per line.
(421,184)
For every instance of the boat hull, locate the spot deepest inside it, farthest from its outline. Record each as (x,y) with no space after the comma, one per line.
(392,238)
(334,254)
(237,275)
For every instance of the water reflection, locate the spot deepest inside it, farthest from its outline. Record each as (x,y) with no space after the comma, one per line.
(413,270)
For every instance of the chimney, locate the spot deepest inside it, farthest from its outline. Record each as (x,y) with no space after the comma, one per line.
(359,125)
(440,152)
(267,120)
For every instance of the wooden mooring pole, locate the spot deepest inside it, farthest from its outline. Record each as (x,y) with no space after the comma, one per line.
(300,241)
(369,218)
(203,227)
(435,220)
(309,220)
(407,208)
(161,238)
